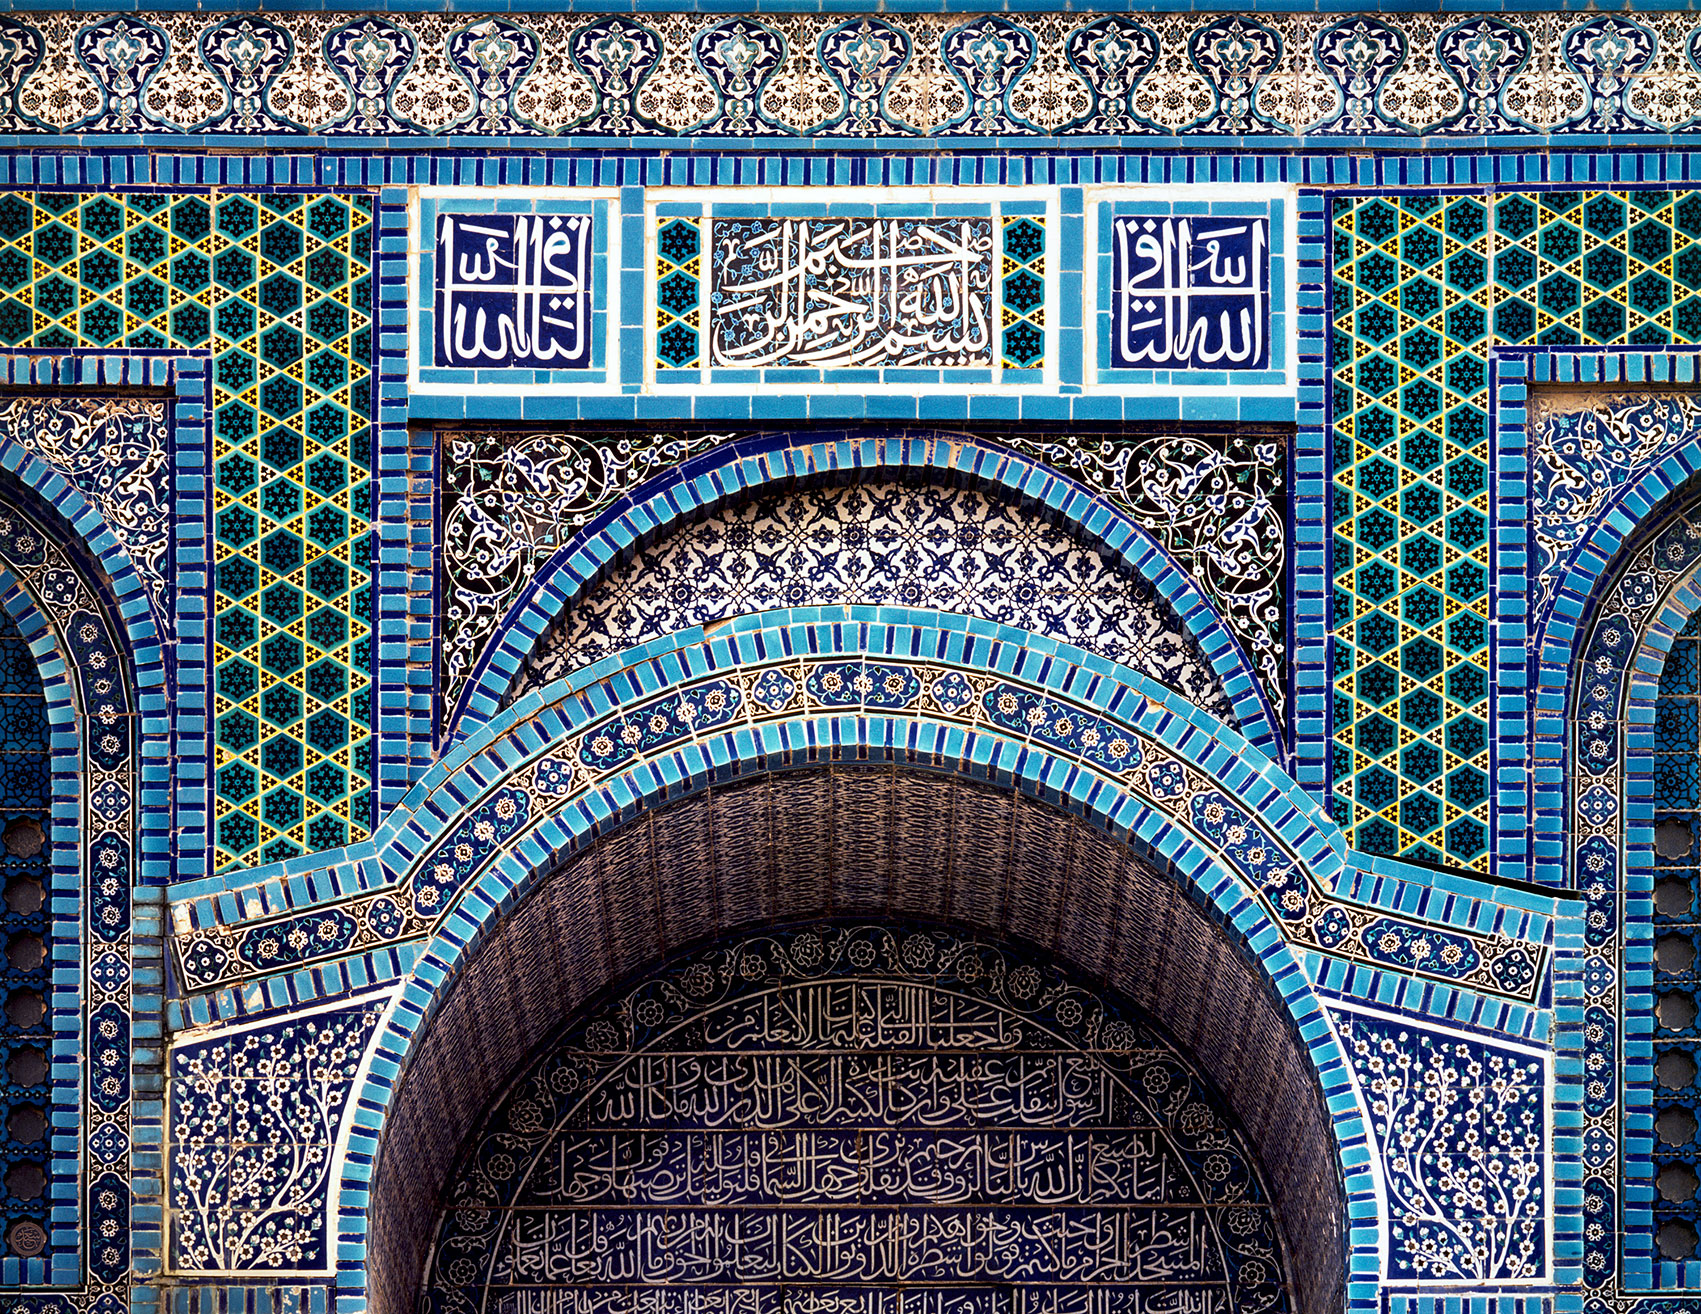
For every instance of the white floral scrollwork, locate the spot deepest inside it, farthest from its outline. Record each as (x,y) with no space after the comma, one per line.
(254,1123)
(1460,1129)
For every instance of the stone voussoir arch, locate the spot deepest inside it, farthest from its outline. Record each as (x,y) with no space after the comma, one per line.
(879,718)
(733,470)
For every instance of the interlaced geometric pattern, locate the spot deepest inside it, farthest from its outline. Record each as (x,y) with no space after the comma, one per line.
(292,521)
(1423,286)
(1022,314)
(679,271)
(277,287)
(1677,938)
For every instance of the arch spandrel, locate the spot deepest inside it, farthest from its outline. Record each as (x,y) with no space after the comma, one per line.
(734,472)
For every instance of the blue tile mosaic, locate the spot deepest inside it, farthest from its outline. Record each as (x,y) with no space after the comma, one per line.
(1362,623)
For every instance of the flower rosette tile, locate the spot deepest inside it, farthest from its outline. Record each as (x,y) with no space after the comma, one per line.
(1419,948)
(472,843)
(320,934)
(656,724)
(856,684)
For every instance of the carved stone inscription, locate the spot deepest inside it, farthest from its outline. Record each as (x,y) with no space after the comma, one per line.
(851,293)
(858,1122)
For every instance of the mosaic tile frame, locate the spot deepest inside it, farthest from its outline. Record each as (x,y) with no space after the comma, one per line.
(1276,204)
(609,364)
(1390,170)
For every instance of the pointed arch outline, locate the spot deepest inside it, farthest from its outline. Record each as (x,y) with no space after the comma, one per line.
(462,788)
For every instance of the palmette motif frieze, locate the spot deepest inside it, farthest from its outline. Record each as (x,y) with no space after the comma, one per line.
(1322,76)
(561,777)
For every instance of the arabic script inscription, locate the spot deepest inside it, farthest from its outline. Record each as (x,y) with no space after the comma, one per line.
(857,1120)
(513,291)
(838,293)
(1190,293)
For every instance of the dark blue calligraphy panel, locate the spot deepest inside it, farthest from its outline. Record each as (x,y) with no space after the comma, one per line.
(513,291)
(1190,293)
(858,1120)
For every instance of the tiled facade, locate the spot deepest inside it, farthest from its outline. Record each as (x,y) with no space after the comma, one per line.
(546,553)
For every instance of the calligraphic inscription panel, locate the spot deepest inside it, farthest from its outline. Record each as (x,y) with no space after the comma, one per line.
(511,291)
(839,293)
(892,289)
(1190,293)
(858,1119)
(1194,287)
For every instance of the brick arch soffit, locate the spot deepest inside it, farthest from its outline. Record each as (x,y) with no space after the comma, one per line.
(995,856)
(524,742)
(725,474)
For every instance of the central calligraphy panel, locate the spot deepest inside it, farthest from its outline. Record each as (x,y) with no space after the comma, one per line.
(858,1121)
(848,293)
(854,288)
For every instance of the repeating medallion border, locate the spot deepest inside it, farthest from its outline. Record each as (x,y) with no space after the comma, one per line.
(1306,79)
(781,680)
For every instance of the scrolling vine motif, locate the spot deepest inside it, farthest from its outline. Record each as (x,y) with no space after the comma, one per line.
(509,503)
(1459,1126)
(1586,448)
(255,1119)
(114,451)
(1216,505)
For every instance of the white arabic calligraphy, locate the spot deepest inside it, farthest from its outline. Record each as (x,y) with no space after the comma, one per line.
(1171,278)
(842,293)
(526,287)
(815,1298)
(755,1141)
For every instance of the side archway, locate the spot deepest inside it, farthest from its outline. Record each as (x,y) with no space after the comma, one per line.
(1631,854)
(60,611)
